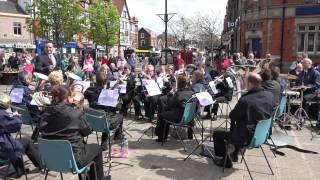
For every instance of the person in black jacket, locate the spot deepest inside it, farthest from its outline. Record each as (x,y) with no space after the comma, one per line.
(252,107)
(47,62)
(14,61)
(62,121)
(92,95)
(175,108)
(127,98)
(271,85)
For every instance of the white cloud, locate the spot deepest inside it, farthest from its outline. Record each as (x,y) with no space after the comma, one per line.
(146,10)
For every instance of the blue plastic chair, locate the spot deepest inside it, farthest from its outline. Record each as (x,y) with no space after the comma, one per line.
(57,155)
(98,121)
(260,136)
(25,117)
(281,108)
(189,113)
(278,139)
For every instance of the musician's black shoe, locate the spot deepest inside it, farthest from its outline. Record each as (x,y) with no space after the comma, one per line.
(220,162)
(139,117)
(208,116)
(160,140)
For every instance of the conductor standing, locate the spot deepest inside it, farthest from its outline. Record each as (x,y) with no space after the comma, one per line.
(47,62)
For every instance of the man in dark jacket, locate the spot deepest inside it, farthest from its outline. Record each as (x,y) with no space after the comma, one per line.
(14,61)
(127,98)
(252,107)
(175,108)
(271,85)
(311,78)
(47,62)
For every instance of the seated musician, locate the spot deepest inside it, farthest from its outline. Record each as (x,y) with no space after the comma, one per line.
(174,110)
(271,85)
(55,78)
(206,76)
(169,86)
(92,95)
(252,107)
(311,78)
(62,121)
(12,149)
(224,94)
(24,81)
(150,102)
(197,82)
(128,97)
(297,70)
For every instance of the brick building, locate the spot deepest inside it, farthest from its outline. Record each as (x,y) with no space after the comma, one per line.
(13,32)
(284,28)
(147,39)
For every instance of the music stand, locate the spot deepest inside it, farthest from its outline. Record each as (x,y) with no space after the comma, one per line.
(201,144)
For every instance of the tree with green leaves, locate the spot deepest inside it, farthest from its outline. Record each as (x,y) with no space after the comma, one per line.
(104,22)
(57,20)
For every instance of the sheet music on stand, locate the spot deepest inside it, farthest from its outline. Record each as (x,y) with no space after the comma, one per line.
(123,87)
(85,85)
(152,88)
(109,97)
(229,81)
(160,82)
(16,95)
(204,98)
(213,87)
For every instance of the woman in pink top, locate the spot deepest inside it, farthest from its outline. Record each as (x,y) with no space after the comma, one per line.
(88,65)
(25,63)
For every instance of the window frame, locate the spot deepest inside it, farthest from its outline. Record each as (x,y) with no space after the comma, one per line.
(17,26)
(142,35)
(307,32)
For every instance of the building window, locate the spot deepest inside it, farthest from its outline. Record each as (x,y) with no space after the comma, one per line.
(17,28)
(308,38)
(142,43)
(142,35)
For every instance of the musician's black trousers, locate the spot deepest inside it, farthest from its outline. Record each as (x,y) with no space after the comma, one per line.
(136,103)
(127,98)
(220,139)
(150,106)
(171,116)
(215,106)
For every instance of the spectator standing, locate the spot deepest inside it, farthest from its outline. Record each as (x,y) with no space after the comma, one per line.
(13,61)
(132,61)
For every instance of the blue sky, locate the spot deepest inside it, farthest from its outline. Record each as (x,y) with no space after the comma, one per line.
(146,10)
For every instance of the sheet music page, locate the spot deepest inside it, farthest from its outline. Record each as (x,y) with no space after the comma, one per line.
(152,88)
(123,87)
(108,97)
(112,83)
(213,87)
(16,95)
(229,81)
(204,98)
(160,82)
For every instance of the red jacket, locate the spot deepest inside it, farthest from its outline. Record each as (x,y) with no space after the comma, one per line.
(224,64)
(105,61)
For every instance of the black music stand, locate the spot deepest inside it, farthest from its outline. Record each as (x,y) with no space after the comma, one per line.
(201,144)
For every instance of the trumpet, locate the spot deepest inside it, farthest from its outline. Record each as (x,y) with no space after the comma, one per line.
(218,79)
(120,81)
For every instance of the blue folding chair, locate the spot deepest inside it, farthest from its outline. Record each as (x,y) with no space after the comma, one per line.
(189,114)
(98,121)
(57,155)
(260,136)
(25,117)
